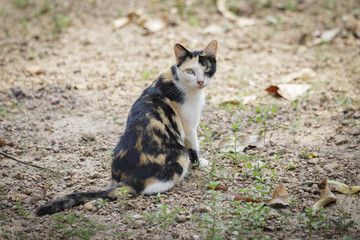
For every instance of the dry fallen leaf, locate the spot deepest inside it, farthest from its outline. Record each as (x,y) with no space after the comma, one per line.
(327,36)
(154,25)
(35,69)
(219,187)
(240,21)
(121,22)
(343,188)
(288,91)
(280,197)
(303,75)
(326,196)
(248,199)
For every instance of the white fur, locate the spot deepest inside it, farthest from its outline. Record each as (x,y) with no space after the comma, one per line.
(160,186)
(203,163)
(194,99)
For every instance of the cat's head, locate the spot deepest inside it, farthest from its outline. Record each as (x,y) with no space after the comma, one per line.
(196,68)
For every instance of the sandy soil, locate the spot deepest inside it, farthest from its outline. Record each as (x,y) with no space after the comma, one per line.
(68,80)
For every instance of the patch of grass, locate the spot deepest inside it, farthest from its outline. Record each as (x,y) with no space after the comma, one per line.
(45,8)
(194,21)
(291,5)
(21,209)
(148,74)
(343,222)
(2,217)
(123,196)
(209,221)
(290,166)
(75,226)
(209,137)
(249,221)
(164,216)
(60,22)
(262,116)
(22,4)
(101,203)
(313,220)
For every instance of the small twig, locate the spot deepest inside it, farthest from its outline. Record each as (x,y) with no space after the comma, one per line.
(26,163)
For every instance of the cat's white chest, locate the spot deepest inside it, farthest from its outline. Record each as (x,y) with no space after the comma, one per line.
(191,108)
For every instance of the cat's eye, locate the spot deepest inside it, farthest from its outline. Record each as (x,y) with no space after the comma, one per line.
(207,69)
(190,71)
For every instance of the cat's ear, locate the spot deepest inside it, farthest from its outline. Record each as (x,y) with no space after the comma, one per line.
(180,52)
(211,49)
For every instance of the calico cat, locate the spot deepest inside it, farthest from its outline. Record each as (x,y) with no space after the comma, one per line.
(160,137)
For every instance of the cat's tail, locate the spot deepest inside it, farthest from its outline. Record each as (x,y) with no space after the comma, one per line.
(75,199)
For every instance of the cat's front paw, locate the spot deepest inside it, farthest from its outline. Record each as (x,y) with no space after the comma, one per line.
(203,163)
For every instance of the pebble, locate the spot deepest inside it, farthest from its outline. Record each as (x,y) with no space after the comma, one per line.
(315,189)
(331,166)
(180,218)
(56,149)
(93,175)
(340,140)
(203,209)
(88,206)
(356,115)
(138,224)
(314,161)
(354,131)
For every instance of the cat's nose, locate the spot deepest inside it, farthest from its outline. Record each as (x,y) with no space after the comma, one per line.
(200,82)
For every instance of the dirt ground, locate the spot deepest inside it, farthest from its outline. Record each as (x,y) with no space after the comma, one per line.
(68,78)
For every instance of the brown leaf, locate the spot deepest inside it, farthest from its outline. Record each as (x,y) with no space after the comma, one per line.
(280,197)
(326,196)
(248,199)
(288,91)
(219,187)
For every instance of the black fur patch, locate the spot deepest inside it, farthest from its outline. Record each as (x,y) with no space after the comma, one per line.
(194,158)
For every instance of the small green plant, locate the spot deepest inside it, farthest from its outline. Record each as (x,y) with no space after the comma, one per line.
(21,209)
(209,137)
(307,155)
(101,203)
(164,216)
(262,116)
(250,220)
(148,74)
(342,222)
(21,3)
(84,227)
(2,217)
(60,22)
(209,220)
(123,196)
(290,166)
(108,155)
(313,220)
(291,5)
(194,21)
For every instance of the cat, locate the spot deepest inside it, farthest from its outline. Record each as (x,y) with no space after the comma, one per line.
(160,139)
